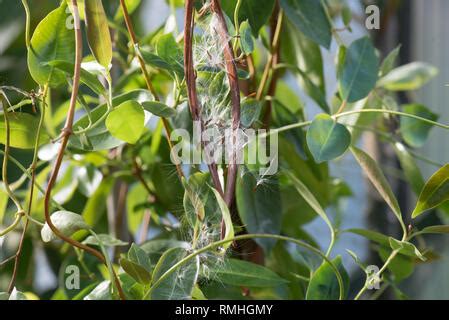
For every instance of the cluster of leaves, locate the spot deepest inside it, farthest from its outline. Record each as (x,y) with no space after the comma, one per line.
(166,232)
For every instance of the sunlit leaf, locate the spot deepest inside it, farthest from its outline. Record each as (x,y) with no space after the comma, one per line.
(52,40)
(434,193)
(127,122)
(411,76)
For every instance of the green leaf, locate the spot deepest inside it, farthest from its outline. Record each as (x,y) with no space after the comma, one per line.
(411,76)
(324,285)
(23,129)
(434,193)
(406,248)
(99,137)
(229,232)
(401,266)
(259,206)
(137,264)
(250,112)
(159,109)
(98,35)
(17,295)
(242,273)
(304,54)
(360,71)
(246,39)
(52,40)
(378,179)
(409,167)
(86,77)
(102,291)
(372,235)
(106,240)
(390,60)
(327,139)
(66,222)
(169,50)
(309,16)
(180,284)
(310,199)
(251,10)
(441,229)
(127,122)
(414,131)
(136,271)
(139,256)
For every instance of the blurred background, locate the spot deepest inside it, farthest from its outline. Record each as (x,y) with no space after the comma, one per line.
(421,27)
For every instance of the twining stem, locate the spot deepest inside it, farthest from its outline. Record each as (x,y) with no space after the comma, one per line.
(231,70)
(217,244)
(30,201)
(20,212)
(27,23)
(66,132)
(30,177)
(274,49)
(276,53)
(146,76)
(237,25)
(194,103)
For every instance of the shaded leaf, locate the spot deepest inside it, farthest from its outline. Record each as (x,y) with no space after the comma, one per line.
(360,71)
(86,77)
(309,16)
(259,206)
(324,285)
(327,139)
(242,273)
(378,179)
(414,131)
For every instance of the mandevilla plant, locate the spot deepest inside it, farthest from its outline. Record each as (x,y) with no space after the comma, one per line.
(103,184)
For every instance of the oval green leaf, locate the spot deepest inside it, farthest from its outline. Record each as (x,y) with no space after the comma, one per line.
(327,139)
(127,122)
(52,40)
(414,131)
(309,17)
(65,221)
(360,70)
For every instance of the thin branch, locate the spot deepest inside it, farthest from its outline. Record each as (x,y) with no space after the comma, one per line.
(30,201)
